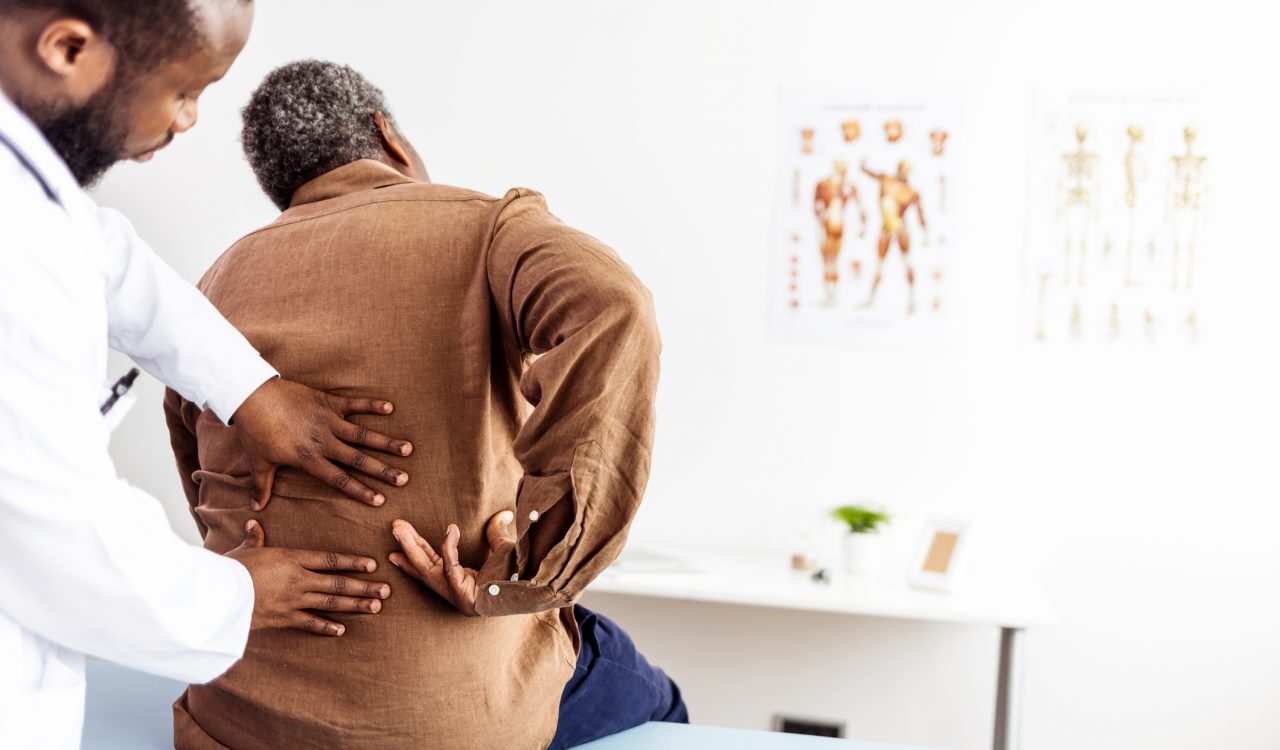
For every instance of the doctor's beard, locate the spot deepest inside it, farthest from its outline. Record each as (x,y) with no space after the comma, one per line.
(91,137)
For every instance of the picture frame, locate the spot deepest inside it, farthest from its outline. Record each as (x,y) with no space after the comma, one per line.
(940,554)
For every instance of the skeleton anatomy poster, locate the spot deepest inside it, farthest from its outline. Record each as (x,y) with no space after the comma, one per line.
(1117,232)
(861,243)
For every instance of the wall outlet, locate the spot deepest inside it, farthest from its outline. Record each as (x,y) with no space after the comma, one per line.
(814,727)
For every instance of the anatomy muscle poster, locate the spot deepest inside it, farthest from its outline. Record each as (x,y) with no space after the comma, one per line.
(861,243)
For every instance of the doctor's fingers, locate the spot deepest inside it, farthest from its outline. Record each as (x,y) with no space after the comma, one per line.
(315,624)
(354,433)
(262,475)
(328,561)
(346,405)
(363,436)
(336,603)
(364,463)
(342,586)
(339,479)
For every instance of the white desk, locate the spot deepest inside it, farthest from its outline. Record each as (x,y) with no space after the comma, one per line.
(764,580)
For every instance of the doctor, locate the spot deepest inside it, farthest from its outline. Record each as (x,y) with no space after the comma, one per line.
(88,564)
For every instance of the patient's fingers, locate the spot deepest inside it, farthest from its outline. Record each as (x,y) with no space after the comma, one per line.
(363,436)
(432,578)
(437,583)
(442,573)
(412,541)
(453,570)
(449,551)
(363,462)
(416,549)
(409,569)
(423,556)
(335,603)
(499,530)
(316,624)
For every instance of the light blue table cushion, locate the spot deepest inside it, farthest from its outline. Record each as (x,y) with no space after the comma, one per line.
(126,709)
(129,710)
(658,736)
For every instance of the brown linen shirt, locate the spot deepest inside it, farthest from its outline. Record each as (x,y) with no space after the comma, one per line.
(522,358)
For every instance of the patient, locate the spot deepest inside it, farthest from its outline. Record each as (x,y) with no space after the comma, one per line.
(522,356)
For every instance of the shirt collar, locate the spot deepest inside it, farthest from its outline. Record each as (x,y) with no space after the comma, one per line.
(19,133)
(365,174)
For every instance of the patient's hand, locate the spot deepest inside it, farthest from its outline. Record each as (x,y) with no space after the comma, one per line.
(289,582)
(286,423)
(443,573)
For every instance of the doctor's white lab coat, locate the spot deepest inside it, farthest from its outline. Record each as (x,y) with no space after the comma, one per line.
(88,564)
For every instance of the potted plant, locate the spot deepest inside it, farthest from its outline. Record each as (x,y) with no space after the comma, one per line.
(863,545)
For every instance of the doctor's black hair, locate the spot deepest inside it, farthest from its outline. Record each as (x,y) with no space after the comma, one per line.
(143,32)
(307,118)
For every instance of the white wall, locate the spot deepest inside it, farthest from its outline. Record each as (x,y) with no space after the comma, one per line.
(1140,484)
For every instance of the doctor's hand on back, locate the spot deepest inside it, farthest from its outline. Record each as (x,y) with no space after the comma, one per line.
(286,423)
(289,424)
(289,585)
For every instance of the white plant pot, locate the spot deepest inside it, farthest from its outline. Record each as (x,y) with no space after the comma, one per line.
(863,553)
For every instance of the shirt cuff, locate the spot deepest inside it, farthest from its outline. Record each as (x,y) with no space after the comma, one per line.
(234,386)
(498,598)
(501,593)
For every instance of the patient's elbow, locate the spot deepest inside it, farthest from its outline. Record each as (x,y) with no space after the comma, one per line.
(633,309)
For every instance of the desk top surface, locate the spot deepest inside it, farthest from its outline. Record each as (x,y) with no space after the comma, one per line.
(766,580)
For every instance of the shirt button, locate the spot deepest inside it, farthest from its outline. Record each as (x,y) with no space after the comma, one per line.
(533,516)
(493,589)
(515,576)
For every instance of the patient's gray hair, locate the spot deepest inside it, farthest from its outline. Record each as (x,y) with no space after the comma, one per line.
(307,118)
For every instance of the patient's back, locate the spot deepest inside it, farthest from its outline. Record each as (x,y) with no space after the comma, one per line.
(377,286)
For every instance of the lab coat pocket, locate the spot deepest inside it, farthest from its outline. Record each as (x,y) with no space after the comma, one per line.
(49,717)
(120,407)
(117,414)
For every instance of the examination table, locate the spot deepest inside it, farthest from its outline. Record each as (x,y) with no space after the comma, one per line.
(129,710)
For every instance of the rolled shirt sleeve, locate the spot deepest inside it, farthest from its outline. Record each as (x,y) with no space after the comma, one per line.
(587,327)
(171,330)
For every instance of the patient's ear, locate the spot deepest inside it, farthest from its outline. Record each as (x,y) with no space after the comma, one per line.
(391,139)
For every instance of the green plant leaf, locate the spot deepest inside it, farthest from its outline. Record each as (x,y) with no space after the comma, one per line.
(861,519)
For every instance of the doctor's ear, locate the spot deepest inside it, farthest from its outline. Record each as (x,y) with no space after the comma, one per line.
(78,58)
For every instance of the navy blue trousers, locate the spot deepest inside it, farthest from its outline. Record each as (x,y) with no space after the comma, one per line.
(613,687)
